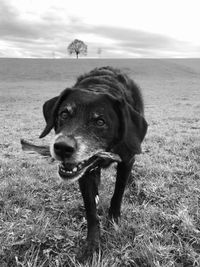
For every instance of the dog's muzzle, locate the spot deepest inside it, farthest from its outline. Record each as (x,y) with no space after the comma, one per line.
(63,150)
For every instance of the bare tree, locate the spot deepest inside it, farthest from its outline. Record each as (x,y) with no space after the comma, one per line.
(77,47)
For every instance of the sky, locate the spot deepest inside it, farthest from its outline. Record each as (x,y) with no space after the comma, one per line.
(110,29)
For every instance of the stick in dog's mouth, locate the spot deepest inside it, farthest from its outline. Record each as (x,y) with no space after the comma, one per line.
(69,170)
(31,148)
(76,170)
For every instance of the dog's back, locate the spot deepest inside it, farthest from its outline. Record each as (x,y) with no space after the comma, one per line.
(116,82)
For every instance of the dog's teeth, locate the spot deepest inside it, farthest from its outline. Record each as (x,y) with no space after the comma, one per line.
(75,169)
(80,166)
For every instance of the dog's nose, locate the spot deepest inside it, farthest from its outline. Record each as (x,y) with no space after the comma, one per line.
(63,149)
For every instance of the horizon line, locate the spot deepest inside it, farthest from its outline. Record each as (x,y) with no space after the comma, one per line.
(97,58)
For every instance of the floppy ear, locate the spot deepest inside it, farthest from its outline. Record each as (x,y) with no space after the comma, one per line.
(48,112)
(133,128)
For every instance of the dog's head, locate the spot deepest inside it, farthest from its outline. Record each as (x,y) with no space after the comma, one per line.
(88,124)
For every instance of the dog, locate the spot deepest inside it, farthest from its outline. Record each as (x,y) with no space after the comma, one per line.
(97,121)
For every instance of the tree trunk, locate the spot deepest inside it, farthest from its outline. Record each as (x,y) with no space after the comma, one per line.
(76,55)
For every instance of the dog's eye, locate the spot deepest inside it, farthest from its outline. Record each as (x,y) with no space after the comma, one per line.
(100,122)
(64,115)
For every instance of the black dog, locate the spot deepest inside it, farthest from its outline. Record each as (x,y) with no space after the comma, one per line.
(97,121)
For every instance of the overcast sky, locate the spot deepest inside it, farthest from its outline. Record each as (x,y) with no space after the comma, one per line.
(124,28)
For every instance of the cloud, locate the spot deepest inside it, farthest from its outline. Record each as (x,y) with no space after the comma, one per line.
(12,26)
(49,34)
(135,43)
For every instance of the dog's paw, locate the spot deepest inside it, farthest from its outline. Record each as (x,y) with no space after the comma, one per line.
(113,220)
(113,216)
(87,250)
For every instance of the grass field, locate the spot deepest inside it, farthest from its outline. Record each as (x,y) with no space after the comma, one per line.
(42,220)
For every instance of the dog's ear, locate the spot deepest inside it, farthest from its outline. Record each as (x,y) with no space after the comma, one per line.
(50,109)
(133,128)
(48,112)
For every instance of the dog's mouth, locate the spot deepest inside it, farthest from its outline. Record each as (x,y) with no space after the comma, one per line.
(73,171)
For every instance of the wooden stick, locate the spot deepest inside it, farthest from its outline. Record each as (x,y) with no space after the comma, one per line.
(42,150)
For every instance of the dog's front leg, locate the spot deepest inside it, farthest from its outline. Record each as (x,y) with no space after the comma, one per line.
(89,189)
(123,174)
